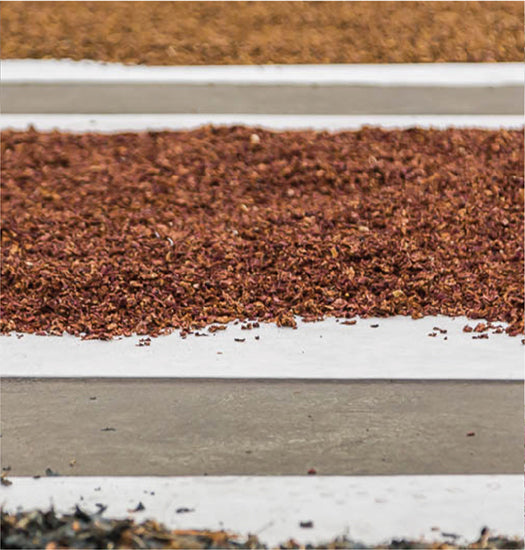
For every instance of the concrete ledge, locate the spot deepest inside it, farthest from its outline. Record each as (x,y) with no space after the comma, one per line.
(48,86)
(108,123)
(254,427)
(398,348)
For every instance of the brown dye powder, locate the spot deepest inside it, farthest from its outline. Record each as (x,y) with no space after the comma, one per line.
(225,33)
(106,235)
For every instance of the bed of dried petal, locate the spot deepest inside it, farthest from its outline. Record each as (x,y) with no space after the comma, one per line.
(238,33)
(106,235)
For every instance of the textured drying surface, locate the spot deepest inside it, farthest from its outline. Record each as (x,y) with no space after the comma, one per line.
(115,234)
(217,33)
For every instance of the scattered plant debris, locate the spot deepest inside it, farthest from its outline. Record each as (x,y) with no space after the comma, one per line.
(47,529)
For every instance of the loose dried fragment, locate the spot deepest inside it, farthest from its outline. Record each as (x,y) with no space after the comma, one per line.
(3,479)
(306,524)
(138,508)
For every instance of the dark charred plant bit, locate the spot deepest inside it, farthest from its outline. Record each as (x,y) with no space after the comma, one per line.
(240,339)
(138,508)
(306,524)
(481,337)
(440,330)
(107,429)
(149,233)
(101,508)
(312,472)
(184,510)
(374,326)
(80,514)
(471,434)
(432,334)
(50,473)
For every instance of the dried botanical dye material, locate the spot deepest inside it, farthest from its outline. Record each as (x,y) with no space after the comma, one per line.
(106,235)
(47,529)
(225,33)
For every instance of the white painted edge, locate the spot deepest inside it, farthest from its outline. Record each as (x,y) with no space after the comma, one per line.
(17,71)
(398,349)
(156,122)
(371,509)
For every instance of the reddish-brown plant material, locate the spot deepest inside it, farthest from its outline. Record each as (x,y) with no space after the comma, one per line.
(240,33)
(106,235)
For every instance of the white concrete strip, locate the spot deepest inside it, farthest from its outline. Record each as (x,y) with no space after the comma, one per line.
(156,122)
(414,74)
(51,86)
(372,509)
(399,348)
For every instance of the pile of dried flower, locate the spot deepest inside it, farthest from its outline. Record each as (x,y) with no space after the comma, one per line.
(106,235)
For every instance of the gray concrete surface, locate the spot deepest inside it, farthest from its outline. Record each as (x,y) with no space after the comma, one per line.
(41,97)
(232,427)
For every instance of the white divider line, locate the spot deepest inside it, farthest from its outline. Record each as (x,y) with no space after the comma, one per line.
(399,348)
(371,509)
(414,74)
(51,86)
(141,122)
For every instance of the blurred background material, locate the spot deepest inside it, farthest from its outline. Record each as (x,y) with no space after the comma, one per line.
(226,33)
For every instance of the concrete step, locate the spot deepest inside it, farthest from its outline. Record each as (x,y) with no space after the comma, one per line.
(242,427)
(63,86)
